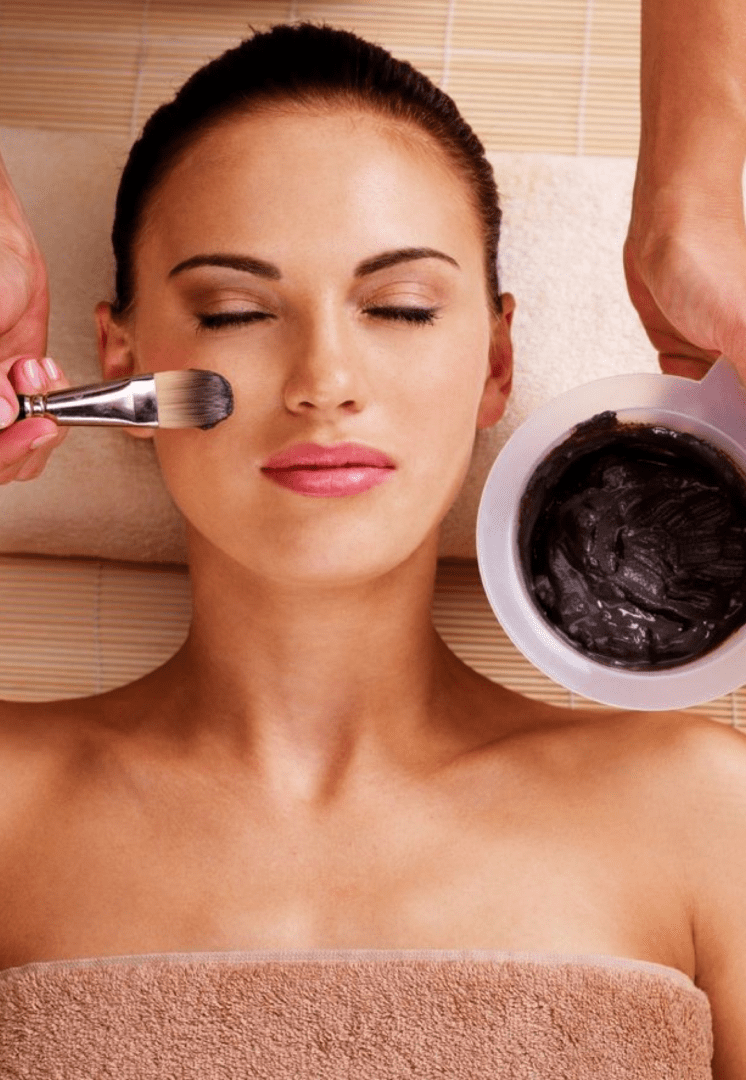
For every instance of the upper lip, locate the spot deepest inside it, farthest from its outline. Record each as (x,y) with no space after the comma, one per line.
(312,455)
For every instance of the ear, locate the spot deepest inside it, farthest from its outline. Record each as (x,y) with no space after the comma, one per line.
(114,349)
(115,354)
(500,377)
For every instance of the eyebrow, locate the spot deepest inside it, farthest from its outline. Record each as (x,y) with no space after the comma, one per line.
(233,262)
(391,258)
(260,268)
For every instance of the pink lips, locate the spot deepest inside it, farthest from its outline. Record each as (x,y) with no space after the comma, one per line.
(341,469)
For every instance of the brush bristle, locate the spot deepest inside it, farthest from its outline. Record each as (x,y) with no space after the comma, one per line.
(192,398)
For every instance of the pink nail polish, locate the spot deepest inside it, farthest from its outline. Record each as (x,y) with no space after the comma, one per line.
(32,371)
(51,368)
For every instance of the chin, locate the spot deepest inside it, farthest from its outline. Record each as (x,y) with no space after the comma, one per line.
(315,557)
(337,565)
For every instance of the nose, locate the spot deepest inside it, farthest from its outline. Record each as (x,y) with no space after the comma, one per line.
(325,375)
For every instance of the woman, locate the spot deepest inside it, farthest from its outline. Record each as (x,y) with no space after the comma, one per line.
(314,769)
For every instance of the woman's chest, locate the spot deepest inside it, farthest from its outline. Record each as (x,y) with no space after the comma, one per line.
(524,878)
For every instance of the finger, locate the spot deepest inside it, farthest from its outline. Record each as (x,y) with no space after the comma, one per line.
(37,460)
(21,453)
(27,376)
(29,460)
(14,380)
(23,439)
(31,376)
(55,376)
(33,466)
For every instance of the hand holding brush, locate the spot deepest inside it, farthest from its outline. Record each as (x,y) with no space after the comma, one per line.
(47,404)
(25,448)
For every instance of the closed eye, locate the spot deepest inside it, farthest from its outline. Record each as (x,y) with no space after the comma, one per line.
(218,319)
(405,314)
(230,318)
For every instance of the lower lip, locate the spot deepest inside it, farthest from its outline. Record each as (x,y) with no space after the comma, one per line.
(329,483)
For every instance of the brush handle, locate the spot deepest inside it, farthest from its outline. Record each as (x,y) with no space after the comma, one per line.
(117,403)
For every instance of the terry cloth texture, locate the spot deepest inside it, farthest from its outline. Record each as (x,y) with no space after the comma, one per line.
(564,222)
(358,1014)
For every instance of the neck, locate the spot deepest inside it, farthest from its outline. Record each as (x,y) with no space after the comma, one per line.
(310,684)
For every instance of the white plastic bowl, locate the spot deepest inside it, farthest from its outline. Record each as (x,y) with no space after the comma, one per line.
(713,409)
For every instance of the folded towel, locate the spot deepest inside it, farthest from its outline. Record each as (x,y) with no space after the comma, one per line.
(564,222)
(361,1014)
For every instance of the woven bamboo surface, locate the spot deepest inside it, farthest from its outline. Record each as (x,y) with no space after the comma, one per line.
(539,75)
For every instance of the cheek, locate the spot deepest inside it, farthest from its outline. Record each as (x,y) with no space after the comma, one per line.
(452,382)
(191,460)
(443,420)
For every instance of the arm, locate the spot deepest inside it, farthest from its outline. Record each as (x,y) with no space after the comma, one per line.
(685,254)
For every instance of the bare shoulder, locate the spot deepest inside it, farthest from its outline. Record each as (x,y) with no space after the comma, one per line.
(39,741)
(689,775)
(656,748)
(28,730)
(653,767)
(705,785)
(674,737)
(692,772)
(684,773)
(703,799)
(695,766)
(682,778)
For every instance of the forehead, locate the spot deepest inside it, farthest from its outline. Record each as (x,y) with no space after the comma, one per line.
(291,180)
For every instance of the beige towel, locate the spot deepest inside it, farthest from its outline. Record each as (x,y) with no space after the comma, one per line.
(357,1015)
(564,222)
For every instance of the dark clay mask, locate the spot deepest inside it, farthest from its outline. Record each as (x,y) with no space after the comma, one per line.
(632,541)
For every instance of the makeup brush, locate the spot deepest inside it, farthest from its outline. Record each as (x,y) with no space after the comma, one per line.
(165,399)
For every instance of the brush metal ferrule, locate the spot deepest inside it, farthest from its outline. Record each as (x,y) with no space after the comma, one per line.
(128,402)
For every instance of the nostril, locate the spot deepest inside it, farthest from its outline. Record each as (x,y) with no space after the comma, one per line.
(349,404)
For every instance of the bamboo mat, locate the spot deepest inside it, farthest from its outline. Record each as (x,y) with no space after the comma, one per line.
(72,627)
(530,75)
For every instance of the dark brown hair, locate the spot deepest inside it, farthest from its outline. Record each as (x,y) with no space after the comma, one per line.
(302,64)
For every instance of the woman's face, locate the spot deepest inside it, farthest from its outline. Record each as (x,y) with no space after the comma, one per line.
(329,265)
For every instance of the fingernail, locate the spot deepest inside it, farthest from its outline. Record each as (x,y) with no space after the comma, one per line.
(51,368)
(7,412)
(43,440)
(32,371)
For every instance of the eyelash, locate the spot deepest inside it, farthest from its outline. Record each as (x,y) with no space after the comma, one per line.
(230,318)
(416,315)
